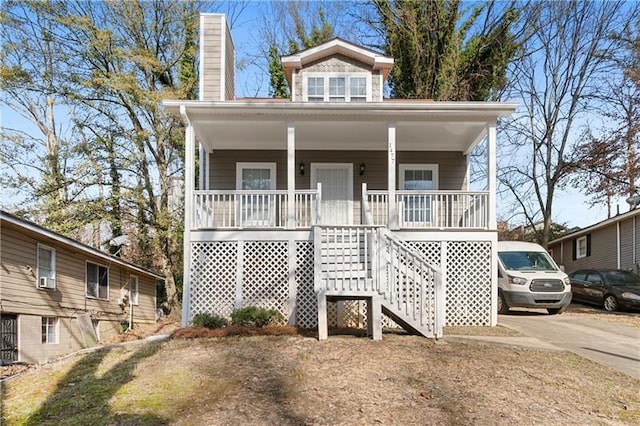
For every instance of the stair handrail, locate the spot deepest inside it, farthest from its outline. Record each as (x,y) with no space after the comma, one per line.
(418,258)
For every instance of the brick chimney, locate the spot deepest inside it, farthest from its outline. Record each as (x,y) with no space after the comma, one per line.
(217,59)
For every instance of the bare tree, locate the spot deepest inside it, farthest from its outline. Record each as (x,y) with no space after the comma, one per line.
(556,82)
(607,164)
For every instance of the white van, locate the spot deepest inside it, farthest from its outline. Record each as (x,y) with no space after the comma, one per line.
(529,278)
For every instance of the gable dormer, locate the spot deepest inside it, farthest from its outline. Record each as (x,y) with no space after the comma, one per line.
(336,71)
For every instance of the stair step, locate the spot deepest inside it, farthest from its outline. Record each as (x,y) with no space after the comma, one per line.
(346,259)
(345,274)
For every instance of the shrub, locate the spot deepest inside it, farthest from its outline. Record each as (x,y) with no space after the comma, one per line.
(253,315)
(209,320)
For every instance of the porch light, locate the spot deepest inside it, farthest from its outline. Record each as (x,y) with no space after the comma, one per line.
(301,169)
(362,168)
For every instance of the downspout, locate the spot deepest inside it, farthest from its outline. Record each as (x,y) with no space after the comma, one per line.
(636,263)
(618,244)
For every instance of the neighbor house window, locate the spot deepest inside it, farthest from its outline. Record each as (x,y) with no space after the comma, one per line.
(46,276)
(49,330)
(337,88)
(581,247)
(97,281)
(133,289)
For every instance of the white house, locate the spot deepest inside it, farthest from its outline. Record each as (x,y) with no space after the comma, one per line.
(337,199)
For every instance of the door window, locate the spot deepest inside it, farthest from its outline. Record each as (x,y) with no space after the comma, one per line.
(594,278)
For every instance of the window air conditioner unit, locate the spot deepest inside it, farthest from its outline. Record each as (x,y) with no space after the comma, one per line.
(46,282)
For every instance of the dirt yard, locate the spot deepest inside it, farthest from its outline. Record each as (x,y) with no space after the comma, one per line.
(593,312)
(296,380)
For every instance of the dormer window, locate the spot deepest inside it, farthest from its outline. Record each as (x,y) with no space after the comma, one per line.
(315,89)
(338,88)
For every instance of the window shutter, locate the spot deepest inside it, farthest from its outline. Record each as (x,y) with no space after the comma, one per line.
(589,245)
(574,252)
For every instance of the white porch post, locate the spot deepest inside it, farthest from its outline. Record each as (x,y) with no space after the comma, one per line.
(491,174)
(492,224)
(203,166)
(189,162)
(291,175)
(391,177)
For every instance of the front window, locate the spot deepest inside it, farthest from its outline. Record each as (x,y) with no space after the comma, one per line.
(97,281)
(255,207)
(417,205)
(527,261)
(49,330)
(337,88)
(46,267)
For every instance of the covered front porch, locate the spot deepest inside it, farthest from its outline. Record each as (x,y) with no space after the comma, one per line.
(296,166)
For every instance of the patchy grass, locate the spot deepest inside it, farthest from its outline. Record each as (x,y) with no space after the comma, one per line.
(234,330)
(498,331)
(292,379)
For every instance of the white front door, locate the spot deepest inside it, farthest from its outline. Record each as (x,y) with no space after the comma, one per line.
(337,192)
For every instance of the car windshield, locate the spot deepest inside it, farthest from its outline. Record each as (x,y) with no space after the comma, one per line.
(527,261)
(619,278)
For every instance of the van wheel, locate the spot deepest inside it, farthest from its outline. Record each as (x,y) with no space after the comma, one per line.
(503,308)
(556,311)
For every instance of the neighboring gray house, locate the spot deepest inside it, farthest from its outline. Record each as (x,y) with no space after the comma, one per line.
(613,243)
(337,199)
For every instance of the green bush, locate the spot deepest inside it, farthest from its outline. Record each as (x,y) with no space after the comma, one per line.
(209,320)
(253,315)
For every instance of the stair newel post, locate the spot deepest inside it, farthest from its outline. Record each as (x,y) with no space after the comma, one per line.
(373,247)
(317,258)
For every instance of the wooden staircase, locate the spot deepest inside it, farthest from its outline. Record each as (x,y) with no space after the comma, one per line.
(370,263)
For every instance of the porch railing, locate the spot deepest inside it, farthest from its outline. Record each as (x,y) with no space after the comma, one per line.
(432,209)
(235,209)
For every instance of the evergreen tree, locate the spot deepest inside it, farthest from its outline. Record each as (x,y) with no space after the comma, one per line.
(436,54)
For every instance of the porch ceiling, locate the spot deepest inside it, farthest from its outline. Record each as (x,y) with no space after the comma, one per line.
(339,135)
(421,126)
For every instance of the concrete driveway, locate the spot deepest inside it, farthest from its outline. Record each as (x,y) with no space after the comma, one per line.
(613,345)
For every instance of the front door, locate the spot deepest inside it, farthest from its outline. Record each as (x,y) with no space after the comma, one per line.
(8,337)
(337,192)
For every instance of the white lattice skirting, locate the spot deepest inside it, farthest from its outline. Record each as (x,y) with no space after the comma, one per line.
(226,275)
